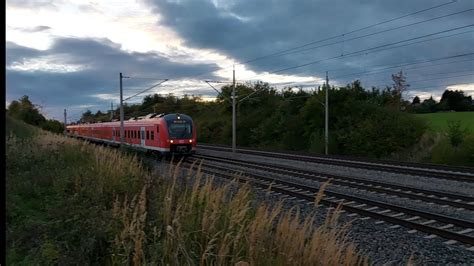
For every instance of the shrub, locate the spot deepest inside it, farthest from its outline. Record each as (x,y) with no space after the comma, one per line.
(463,155)
(455,133)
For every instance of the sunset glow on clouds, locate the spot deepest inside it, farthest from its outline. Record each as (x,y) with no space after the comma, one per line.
(67,54)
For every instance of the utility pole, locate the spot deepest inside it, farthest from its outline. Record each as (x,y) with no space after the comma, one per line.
(122,131)
(111,111)
(65,121)
(326,131)
(233,113)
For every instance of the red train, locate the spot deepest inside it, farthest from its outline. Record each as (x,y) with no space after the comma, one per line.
(163,133)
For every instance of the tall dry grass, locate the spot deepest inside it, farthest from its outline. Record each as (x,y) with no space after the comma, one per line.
(205,224)
(104,207)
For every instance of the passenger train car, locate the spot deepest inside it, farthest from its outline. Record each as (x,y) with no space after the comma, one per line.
(163,133)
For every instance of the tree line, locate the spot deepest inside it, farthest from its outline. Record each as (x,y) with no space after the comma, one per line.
(450,101)
(23,109)
(362,122)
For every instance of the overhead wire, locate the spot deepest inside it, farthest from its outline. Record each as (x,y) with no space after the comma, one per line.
(430,74)
(430,79)
(159,83)
(369,49)
(333,37)
(375,33)
(409,64)
(354,53)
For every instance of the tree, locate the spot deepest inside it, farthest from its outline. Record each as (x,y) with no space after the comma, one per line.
(455,100)
(400,86)
(416,100)
(26,111)
(429,105)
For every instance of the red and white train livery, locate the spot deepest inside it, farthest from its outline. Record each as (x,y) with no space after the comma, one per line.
(164,133)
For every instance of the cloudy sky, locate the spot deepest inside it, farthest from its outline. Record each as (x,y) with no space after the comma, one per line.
(68,54)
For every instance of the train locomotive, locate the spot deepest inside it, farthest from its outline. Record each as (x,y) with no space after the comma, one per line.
(165,134)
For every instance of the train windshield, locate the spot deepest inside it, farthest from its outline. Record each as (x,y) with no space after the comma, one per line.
(180,129)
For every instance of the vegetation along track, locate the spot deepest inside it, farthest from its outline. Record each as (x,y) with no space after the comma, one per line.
(452,229)
(465,174)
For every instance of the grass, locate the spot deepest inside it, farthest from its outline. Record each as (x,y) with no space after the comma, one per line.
(438,122)
(69,202)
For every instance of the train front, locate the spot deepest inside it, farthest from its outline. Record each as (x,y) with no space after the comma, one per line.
(181,133)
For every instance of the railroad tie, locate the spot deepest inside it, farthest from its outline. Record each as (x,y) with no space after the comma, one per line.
(465,231)
(428,222)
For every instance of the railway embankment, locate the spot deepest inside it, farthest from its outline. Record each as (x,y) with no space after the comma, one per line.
(69,202)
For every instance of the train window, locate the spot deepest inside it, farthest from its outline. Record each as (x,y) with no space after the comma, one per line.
(147,135)
(152,135)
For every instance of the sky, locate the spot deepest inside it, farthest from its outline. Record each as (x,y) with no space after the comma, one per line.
(68,54)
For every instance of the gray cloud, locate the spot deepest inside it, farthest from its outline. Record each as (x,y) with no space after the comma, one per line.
(101,61)
(35,29)
(18,53)
(33,3)
(249,29)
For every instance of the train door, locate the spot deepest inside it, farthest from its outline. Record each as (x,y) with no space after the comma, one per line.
(142,136)
(114,133)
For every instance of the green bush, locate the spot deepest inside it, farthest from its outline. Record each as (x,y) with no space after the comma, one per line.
(463,155)
(456,133)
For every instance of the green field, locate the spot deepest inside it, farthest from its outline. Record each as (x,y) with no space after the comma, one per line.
(438,122)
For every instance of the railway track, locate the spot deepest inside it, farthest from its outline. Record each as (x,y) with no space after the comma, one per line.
(441,198)
(452,229)
(464,174)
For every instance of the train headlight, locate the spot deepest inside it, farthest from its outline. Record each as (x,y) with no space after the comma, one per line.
(190,141)
(171,141)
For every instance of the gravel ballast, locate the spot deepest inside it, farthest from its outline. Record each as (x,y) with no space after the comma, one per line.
(435,184)
(382,244)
